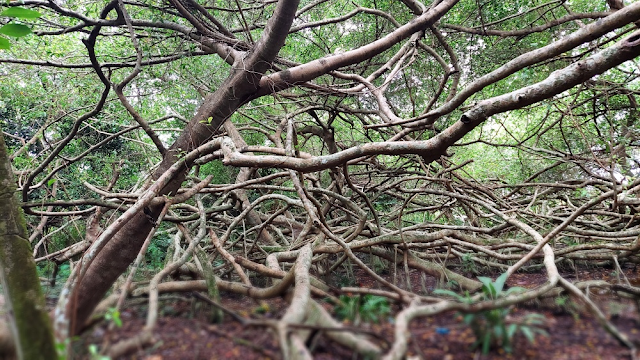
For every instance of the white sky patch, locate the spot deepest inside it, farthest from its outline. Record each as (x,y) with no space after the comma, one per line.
(347,27)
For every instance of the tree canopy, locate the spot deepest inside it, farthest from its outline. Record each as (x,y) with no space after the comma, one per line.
(293,139)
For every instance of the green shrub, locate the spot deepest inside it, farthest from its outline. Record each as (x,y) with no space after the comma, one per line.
(490,327)
(368,308)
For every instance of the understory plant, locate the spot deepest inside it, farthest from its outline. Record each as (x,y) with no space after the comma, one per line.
(368,308)
(492,328)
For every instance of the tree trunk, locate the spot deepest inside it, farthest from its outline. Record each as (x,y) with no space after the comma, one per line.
(29,321)
(236,90)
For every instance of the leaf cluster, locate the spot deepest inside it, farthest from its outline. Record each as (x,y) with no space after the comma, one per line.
(15,28)
(491,328)
(368,308)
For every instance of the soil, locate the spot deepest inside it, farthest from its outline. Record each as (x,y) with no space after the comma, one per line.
(182,331)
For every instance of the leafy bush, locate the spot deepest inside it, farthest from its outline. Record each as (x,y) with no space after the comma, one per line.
(490,327)
(158,250)
(368,308)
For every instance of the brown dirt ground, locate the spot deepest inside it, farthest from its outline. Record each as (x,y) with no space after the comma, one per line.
(182,331)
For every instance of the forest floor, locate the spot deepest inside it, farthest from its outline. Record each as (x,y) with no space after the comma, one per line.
(182,331)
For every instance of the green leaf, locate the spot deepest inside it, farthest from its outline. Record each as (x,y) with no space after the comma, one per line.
(486,343)
(468,318)
(15,30)
(4,43)
(51,182)
(21,13)
(516,289)
(486,282)
(498,331)
(448,293)
(445,292)
(499,284)
(511,330)
(535,319)
(541,332)
(494,293)
(373,308)
(528,333)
